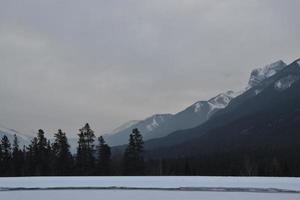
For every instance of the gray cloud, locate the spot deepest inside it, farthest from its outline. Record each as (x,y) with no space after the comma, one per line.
(64,63)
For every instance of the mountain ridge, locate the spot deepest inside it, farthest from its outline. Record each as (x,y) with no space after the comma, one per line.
(271,106)
(198,112)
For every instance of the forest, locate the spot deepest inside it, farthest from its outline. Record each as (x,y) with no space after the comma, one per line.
(94,157)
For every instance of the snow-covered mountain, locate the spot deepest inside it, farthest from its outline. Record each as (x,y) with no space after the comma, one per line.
(125,126)
(149,125)
(22,138)
(287,81)
(161,125)
(264,122)
(260,74)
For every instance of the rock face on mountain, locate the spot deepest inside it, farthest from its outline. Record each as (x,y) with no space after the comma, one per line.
(161,125)
(268,120)
(260,74)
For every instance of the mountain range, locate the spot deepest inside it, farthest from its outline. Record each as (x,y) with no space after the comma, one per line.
(161,125)
(266,112)
(265,118)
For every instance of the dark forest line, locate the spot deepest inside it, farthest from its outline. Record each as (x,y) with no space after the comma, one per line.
(94,158)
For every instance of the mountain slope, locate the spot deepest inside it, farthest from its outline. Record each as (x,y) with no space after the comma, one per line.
(160,125)
(193,115)
(151,124)
(259,120)
(23,139)
(260,74)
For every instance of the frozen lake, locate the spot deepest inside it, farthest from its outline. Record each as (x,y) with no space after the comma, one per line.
(214,188)
(142,195)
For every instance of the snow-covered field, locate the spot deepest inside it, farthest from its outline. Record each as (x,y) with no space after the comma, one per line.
(141,195)
(150,188)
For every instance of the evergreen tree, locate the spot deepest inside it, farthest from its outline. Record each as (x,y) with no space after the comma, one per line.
(17,158)
(103,158)
(1,160)
(129,157)
(133,156)
(85,160)
(42,153)
(39,155)
(31,155)
(6,155)
(139,147)
(62,155)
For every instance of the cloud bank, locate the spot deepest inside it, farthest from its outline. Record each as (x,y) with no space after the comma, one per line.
(64,63)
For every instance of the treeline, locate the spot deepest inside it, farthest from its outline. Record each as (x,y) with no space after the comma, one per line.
(224,164)
(93,156)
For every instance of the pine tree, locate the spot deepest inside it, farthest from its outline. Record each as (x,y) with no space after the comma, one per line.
(85,160)
(17,158)
(39,155)
(133,160)
(129,157)
(42,155)
(139,145)
(103,158)
(6,155)
(31,158)
(62,155)
(1,160)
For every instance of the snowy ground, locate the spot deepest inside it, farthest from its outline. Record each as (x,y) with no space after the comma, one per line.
(144,188)
(142,195)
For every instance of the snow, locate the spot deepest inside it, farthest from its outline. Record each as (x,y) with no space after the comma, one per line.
(285,83)
(219,102)
(142,195)
(198,107)
(260,74)
(215,183)
(214,106)
(23,139)
(152,182)
(257,91)
(154,124)
(234,94)
(13,132)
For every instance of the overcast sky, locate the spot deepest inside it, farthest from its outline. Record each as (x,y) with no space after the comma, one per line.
(64,63)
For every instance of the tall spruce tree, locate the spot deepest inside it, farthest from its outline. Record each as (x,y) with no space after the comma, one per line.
(133,161)
(139,145)
(17,159)
(103,158)
(129,157)
(31,161)
(85,159)
(1,160)
(42,154)
(62,156)
(6,156)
